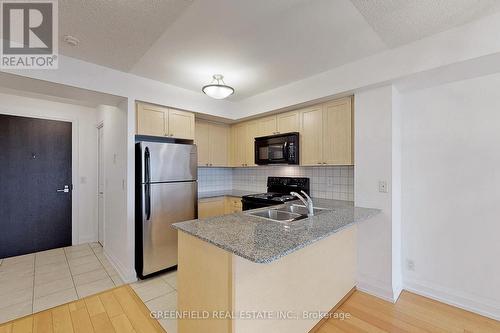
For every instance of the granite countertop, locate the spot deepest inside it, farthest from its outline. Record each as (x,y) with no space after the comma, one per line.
(221,193)
(264,241)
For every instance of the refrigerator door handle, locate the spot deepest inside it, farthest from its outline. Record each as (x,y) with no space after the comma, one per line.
(147,201)
(147,186)
(147,166)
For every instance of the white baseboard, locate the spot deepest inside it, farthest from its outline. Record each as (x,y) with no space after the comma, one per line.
(126,275)
(375,288)
(87,239)
(397,292)
(482,306)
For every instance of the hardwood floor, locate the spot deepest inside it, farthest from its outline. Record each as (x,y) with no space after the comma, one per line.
(120,310)
(411,313)
(117,310)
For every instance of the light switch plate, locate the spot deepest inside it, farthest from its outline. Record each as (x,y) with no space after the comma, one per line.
(382,186)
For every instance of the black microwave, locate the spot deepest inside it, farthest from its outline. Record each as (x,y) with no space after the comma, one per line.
(277,149)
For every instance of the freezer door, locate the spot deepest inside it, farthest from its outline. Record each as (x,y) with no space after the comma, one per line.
(169,203)
(168,162)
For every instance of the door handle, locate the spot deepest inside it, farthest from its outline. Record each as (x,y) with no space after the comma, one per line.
(65,189)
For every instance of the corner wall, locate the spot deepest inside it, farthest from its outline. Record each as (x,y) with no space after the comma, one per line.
(117,228)
(451,173)
(376,159)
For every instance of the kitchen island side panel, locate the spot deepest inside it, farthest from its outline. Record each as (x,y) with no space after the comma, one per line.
(310,280)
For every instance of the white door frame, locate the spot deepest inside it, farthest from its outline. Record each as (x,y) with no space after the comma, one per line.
(100,164)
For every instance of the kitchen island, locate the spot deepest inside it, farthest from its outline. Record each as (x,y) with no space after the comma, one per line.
(241,273)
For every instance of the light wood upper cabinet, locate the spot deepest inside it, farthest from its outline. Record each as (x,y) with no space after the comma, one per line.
(238,136)
(242,143)
(279,124)
(288,122)
(219,145)
(151,120)
(213,143)
(252,131)
(161,121)
(266,126)
(181,124)
(326,133)
(202,135)
(311,135)
(337,146)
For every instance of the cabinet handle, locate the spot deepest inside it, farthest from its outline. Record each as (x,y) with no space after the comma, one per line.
(207,164)
(171,135)
(320,163)
(210,164)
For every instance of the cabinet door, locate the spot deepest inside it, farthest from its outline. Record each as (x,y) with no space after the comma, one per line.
(151,120)
(238,136)
(232,205)
(337,129)
(288,122)
(218,145)
(211,207)
(266,126)
(202,142)
(311,135)
(181,124)
(252,131)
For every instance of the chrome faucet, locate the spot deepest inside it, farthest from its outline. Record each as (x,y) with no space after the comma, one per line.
(307,202)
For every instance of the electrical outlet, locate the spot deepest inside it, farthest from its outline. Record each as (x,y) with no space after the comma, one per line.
(382,186)
(410,265)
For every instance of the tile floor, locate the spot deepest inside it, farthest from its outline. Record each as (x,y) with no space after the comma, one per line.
(38,281)
(160,294)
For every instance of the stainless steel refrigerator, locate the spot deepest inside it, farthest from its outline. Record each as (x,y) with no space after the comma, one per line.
(166,193)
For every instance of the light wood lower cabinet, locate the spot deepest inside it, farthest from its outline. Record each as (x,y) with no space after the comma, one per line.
(213,144)
(155,120)
(210,207)
(232,205)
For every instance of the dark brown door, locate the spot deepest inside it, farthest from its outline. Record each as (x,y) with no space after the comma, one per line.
(35,162)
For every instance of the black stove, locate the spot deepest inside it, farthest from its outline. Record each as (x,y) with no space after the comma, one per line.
(278,192)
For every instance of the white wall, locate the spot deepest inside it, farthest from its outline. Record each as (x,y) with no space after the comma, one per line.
(374,159)
(118,230)
(84,154)
(451,193)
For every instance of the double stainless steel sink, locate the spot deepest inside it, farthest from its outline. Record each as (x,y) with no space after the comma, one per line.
(287,213)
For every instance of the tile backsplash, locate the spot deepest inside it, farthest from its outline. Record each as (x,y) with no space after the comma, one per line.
(336,182)
(215,179)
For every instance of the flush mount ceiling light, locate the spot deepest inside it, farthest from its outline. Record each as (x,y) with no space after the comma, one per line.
(218,89)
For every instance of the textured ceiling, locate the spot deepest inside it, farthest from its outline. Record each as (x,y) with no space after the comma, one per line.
(257,45)
(115,33)
(402,21)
